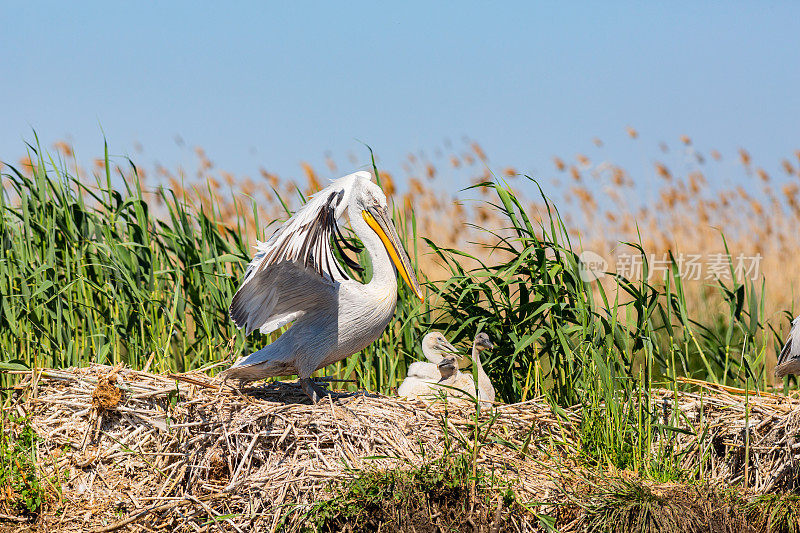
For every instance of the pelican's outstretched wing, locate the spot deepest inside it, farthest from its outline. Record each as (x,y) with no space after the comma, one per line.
(291,272)
(791,350)
(278,295)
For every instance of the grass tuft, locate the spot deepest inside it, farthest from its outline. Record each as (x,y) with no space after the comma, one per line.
(22,484)
(435,496)
(777,513)
(630,506)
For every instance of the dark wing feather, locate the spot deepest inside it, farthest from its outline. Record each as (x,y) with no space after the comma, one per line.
(299,248)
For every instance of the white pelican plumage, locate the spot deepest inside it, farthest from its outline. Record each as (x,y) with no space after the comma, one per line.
(422,376)
(452,377)
(485,387)
(294,277)
(789,358)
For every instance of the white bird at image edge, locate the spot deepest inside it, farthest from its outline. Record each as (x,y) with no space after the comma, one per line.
(789,358)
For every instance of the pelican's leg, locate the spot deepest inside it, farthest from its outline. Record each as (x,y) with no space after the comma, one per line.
(227,383)
(312,390)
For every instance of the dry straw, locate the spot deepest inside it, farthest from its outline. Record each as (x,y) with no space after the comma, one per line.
(138,450)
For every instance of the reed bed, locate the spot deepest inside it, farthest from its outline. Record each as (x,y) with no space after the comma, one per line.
(678,200)
(136,450)
(686,202)
(116,283)
(108,269)
(179,448)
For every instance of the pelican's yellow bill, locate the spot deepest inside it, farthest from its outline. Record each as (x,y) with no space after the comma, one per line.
(394,253)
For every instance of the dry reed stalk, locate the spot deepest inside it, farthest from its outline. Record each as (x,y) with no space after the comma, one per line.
(181,452)
(178,439)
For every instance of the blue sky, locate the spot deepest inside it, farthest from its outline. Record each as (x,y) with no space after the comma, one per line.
(258,84)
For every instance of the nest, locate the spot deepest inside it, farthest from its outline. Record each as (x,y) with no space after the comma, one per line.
(179,448)
(136,448)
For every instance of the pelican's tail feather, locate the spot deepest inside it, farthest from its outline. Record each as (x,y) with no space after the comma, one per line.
(270,361)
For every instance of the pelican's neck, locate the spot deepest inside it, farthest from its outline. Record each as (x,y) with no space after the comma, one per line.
(483,379)
(432,355)
(384,274)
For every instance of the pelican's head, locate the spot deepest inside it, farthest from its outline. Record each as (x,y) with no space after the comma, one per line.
(482,342)
(370,200)
(447,367)
(435,346)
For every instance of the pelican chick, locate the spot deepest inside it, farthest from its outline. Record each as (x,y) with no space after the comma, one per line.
(451,376)
(485,387)
(460,380)
(424,375)
(789,358)
(295,278)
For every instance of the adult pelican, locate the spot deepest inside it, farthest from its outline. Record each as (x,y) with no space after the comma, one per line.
(294,277)
(789,358)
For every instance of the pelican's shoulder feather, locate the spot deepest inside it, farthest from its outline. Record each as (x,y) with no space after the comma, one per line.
(293,271)
(306,237)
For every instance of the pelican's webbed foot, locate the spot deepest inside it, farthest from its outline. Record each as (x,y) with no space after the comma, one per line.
(314,391)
